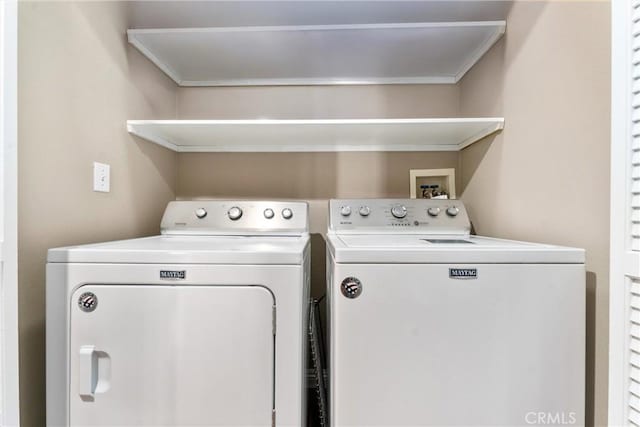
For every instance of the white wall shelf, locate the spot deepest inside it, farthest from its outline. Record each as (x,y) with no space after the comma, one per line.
(450,134)
(440,52)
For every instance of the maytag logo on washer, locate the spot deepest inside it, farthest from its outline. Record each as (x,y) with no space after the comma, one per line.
(463,273)
(173,274)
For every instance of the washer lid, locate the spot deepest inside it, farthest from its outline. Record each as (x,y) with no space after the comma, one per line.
(276,250)
(435,249)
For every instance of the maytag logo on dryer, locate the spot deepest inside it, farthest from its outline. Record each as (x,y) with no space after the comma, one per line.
(173,274)
(463,273)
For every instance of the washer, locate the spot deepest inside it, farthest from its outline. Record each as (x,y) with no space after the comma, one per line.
(430,326)
(202,325)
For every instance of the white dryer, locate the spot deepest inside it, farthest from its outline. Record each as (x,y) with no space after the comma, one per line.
(202,325)
(430,326)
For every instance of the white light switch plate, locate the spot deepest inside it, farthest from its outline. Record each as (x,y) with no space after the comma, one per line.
(101,177)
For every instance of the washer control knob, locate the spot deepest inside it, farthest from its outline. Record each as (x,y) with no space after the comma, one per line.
(345,210)
(268,213)
(399,211)
(364,210)
(201,212)
(234,213)
(287,213)
(453,211)
(433,211)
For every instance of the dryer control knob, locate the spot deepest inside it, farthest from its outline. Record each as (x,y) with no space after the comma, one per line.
(345,210)
(399,211)
(268,213)
(201,212)
(287,213)
(234,213)
(364,210)
(434,211)
(453,211)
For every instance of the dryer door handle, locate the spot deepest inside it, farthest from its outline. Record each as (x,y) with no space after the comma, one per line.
(88,371)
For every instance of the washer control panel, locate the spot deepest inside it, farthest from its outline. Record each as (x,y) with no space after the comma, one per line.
(415,216)
(235,217)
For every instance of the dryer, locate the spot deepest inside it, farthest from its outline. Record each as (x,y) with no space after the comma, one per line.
(431,326)
(204,324)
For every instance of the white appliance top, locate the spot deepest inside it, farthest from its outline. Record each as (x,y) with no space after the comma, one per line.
(209,232)
(412,231)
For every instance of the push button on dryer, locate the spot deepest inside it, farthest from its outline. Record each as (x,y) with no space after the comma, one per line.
(234,213)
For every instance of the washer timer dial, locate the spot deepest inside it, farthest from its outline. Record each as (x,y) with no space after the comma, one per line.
(399,211)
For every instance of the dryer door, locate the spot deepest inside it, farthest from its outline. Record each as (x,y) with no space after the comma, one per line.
(145,355)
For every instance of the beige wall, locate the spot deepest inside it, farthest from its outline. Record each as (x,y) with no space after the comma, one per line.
(546,177)
(318,176)
(79,82)
(310,176)
(321,102)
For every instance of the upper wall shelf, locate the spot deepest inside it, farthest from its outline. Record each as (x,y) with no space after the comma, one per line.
(439,52)
(315,135)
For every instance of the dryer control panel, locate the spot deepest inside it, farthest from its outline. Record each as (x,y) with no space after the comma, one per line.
(235,217)
(398,216)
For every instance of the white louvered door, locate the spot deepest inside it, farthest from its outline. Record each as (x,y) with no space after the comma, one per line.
(624,339)
(9,401)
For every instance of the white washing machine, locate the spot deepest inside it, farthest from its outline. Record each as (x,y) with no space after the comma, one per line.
(203,325)
(429,326)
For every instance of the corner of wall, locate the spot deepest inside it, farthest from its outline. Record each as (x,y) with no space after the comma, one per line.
(79,82)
